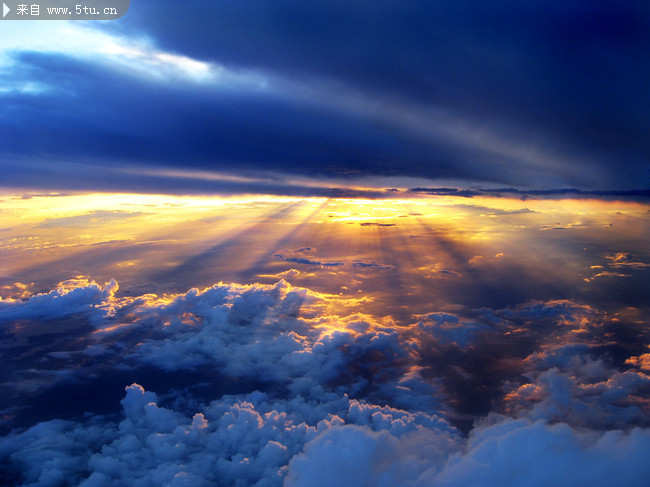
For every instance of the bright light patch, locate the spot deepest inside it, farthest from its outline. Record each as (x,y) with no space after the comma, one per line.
(149,61)
(132,56)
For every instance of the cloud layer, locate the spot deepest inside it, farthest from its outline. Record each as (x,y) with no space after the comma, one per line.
(255,441)
(538,96)
(339,396)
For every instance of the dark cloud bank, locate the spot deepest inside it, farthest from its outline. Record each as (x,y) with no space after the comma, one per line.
(535,95)
(278,389)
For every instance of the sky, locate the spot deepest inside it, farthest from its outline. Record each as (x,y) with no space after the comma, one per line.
(326,243)
(536,96)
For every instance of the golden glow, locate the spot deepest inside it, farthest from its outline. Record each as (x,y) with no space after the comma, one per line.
(111,329)
(402,255)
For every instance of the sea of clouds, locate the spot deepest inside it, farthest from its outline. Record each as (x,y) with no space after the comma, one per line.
(543,393)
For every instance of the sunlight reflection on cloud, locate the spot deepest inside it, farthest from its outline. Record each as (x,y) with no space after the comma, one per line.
(134,56)
(269,382)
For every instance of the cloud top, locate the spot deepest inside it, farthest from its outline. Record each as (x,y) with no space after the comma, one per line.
(337,396)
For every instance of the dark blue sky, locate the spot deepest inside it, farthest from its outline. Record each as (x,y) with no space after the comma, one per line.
(286,95)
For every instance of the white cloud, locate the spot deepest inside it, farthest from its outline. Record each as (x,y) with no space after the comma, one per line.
(250,440)
(235,441)
(524,453)
(352,398)
(448,328)
(130,55)
(572,396)
(63,301)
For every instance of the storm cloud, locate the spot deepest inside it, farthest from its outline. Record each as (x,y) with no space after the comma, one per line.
(540,97)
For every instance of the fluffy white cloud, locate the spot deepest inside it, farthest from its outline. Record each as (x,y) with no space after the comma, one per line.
(448,328)
(349,398)
(68,299)
(524,453)
(573,396)
(252,440)
(132,56)
(245,440)
(642,361)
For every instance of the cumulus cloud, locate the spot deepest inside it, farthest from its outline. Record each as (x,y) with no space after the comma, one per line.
(642,361)
(246,440)
(589,394)
(272,333)
(17,290)
(341,395)
(275,333)
(536,454)
(252,440)
(69,298)
(507,453)
(288,274)
(448,328)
